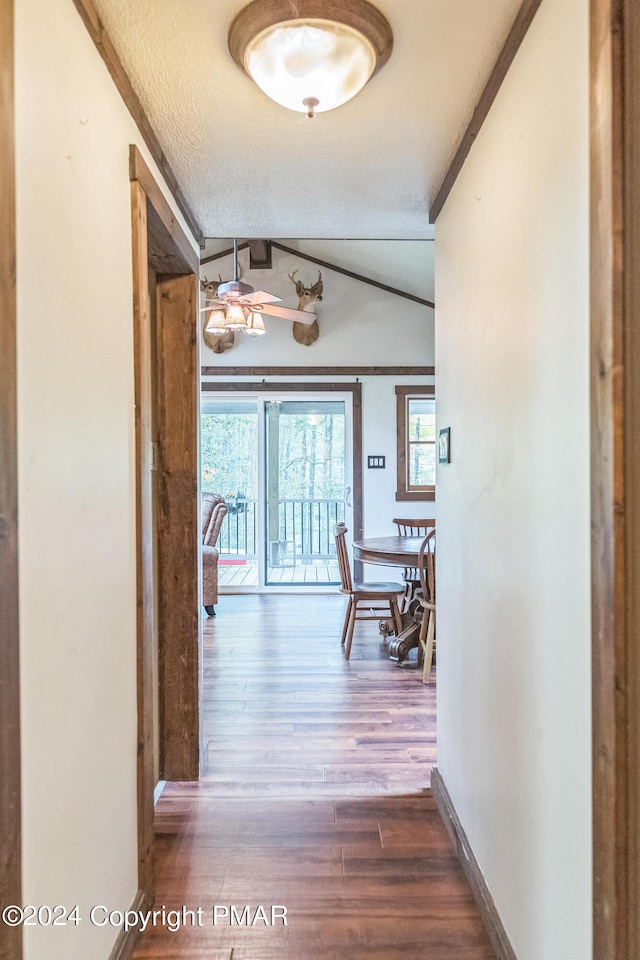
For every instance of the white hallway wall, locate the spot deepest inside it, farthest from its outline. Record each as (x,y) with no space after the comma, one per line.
(76,470)
(360,325)
(512,329)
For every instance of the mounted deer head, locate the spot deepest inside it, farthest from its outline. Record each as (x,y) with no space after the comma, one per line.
(216,342)
(303,333)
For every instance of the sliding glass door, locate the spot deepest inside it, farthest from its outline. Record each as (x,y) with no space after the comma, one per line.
(306,488)
(283,463)
(230,458)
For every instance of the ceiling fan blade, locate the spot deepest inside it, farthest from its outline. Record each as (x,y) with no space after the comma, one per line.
(261,296)
(211,305)
(299,316)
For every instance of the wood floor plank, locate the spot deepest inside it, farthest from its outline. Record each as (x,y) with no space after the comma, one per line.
(315,795)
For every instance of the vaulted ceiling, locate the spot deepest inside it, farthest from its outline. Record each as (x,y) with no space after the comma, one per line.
(248,167)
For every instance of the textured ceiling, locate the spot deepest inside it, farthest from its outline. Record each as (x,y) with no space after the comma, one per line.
(250,168)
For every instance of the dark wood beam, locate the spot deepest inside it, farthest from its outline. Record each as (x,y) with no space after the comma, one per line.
(143,394)
(511,46)
(120,77)
(224,371)
(176,242)
(10,805)
(351,274)
(260,255)
(615,474)
(631,219)
(223,253)
(178,526)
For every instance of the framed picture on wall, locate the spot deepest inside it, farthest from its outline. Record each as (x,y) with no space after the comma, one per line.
(444,445)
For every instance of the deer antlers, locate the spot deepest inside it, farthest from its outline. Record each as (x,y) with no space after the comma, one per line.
(314,292)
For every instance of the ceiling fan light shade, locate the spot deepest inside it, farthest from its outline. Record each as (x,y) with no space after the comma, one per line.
(217,323)
(317,60)
(236,318)
(255,325)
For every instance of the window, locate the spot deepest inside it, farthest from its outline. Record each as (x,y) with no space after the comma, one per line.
(416,428)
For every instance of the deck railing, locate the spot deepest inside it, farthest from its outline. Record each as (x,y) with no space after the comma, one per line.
(305,533)
(239,531)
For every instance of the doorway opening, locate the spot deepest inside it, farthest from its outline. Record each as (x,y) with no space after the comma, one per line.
(165,269)
(283,459)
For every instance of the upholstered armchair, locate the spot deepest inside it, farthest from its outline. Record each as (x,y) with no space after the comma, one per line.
(214,510)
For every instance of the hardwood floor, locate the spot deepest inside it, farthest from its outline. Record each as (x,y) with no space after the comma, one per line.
(315,797)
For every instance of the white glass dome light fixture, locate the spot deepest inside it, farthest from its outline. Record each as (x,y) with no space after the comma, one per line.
(310,55)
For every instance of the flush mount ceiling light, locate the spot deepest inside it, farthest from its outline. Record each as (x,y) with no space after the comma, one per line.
(310,55)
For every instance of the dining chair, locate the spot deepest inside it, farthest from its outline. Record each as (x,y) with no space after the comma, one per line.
(411,528)
(426,597)
(384,595)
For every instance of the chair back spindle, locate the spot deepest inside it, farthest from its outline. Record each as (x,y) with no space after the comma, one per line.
(412,527)
(426,567)
(427,600)
(346,583)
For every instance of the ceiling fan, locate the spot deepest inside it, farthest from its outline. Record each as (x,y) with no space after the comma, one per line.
(237,306)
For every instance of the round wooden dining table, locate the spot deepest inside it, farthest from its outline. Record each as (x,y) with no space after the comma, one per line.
(390,551)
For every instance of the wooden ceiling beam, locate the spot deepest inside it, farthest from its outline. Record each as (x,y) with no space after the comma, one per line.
(351,274)
(518,31)
(120,77)
(223,253)
(259,254)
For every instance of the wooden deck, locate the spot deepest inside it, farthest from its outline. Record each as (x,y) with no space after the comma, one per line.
(246,575)
(315,797)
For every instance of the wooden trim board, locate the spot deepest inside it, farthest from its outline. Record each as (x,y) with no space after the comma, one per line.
(223,253)
(10,798)
(351,274)
(166,355)
(139,170)
(357,475)
(511,46)
(615,475)
(120,77)
(481,894)
(125,942)
(631,202)
(631,257)
(317,371)
(142,341)
(178,526)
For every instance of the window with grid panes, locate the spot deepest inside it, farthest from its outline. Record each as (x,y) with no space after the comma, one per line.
(416,443)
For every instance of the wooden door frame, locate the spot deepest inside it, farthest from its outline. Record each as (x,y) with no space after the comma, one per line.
(615,474)
(159,243)
(355,389)
(10,798)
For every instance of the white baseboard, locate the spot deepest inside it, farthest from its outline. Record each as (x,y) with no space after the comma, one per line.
(157,793)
